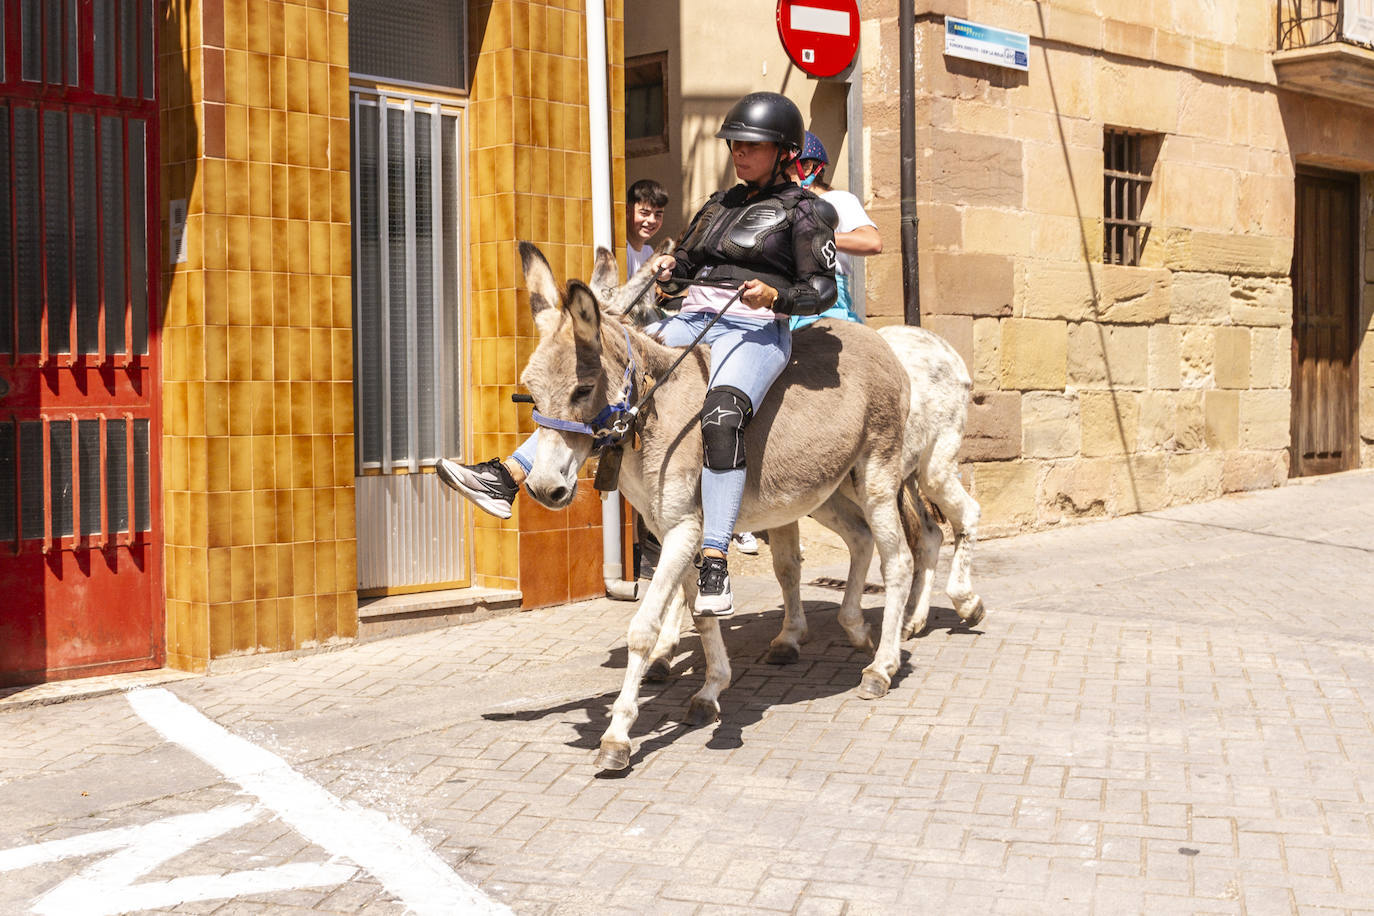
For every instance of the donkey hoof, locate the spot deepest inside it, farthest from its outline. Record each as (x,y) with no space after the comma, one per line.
(615,755)
(971,612)
(702,712)
(783,654)
(658,671)
(873,686)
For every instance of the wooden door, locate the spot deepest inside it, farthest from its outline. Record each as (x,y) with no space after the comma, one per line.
(80,515)
(1325,310)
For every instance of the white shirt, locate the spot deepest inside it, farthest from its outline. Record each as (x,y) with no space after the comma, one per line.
(852,216)
(635,258)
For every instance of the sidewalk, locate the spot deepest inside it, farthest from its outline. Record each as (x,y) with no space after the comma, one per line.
(1162,713)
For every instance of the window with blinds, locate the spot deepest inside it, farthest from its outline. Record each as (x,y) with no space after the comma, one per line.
(407,270)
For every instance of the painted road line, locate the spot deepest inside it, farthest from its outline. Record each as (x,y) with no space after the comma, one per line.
(404,864)
(106,887)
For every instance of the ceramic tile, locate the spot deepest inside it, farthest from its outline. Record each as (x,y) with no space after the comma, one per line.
(240,518)
(221,632)
(264,452)
(240,463)
(265,613)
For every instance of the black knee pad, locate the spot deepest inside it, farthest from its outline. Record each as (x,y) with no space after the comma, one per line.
(723,418)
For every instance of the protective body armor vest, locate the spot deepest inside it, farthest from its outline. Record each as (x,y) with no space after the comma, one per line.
(783,235)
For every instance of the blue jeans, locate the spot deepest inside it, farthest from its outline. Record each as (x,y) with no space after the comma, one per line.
(746,354)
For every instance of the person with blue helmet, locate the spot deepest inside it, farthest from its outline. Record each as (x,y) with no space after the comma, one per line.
(856,234)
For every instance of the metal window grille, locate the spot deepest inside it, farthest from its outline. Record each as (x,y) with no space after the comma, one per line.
(92,470)
(407,273)
(414,43)
(1125,184)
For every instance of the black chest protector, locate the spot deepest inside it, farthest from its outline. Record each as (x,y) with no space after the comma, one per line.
(783,236)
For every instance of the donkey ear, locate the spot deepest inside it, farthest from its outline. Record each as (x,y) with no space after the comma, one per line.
(605,277)
(639,284)
(585,312)
(543,291)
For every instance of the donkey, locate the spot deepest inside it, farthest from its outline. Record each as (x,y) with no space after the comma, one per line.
(847,375)
(940,388)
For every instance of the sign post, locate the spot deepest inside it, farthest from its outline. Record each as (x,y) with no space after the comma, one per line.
(819,36)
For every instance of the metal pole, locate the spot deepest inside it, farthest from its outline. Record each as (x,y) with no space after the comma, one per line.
(911,284)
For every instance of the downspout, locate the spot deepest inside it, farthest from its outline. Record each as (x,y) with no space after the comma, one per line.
(911,283)
(854,130)
(598,117)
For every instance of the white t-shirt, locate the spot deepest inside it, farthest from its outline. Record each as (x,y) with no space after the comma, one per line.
(852,216)
(635,258)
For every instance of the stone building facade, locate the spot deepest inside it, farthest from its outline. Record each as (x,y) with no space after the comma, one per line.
(1106,388)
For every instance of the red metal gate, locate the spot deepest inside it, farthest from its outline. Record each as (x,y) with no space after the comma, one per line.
(80,515)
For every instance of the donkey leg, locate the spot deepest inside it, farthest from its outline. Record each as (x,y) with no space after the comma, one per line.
(661,659)
(885,521)
(678,546)
(844,517)
(923,536)
(785,545)
(940,481)
(705,706)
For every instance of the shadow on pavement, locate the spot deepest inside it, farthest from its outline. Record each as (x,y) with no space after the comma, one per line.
(829,666)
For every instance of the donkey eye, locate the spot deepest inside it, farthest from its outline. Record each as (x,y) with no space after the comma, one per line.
(581,392)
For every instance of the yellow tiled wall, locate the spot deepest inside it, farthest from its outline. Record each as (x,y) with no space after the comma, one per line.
(257,329)
(531,179)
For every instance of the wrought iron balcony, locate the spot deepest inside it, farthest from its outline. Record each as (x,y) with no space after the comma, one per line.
(1326,47)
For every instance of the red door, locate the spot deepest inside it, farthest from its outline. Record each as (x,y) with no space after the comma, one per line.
(80,513)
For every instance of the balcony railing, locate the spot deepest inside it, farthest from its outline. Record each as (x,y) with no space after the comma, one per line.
(1308,23)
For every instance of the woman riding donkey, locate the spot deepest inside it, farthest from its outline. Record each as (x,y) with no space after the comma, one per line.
(763,250)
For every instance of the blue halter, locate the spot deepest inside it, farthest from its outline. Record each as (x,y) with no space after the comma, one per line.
(614,421)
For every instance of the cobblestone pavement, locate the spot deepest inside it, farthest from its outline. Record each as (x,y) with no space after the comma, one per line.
(1163,713)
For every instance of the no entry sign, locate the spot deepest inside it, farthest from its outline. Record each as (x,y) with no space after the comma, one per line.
(820,36)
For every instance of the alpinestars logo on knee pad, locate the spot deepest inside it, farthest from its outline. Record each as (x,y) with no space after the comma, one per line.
(721,416)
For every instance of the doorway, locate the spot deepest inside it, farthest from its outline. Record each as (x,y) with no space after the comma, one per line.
(1325,323)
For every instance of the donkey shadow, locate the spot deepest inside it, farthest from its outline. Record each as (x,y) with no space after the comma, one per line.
(829,667)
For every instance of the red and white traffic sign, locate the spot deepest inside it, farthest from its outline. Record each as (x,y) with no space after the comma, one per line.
(820,36)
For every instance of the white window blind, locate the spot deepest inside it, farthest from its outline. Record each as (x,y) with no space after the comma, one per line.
(407,280)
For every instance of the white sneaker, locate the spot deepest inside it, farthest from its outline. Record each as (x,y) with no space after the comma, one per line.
(746,542)
(713,589)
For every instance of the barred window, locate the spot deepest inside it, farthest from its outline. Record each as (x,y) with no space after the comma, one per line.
(1128,163)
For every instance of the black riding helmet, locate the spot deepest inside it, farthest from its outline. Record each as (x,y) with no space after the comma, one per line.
(765,117)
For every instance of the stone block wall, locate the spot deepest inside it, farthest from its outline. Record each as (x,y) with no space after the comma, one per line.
(1099,389)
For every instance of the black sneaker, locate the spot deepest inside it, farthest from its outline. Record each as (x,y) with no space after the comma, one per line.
(488,484)
(713,589)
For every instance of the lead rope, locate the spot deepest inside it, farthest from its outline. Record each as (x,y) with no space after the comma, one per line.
(627,419)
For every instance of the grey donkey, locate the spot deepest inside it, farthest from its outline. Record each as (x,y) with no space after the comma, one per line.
(940,389)
(845,373)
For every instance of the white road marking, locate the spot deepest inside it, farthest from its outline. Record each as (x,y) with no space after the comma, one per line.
(106,888)
(404,864)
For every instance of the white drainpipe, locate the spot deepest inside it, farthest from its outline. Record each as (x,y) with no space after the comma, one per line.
(603,235)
